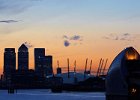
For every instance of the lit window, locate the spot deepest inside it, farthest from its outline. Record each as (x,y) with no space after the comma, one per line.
(132,55)
(133,90)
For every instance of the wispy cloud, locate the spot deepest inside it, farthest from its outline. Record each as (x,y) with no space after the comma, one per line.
(121,37)
(65,37)
(72,40)
(15,6)
(75,37)
(28,44)
(8,21)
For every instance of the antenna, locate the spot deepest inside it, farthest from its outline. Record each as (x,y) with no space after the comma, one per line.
(99,67)
(105,66)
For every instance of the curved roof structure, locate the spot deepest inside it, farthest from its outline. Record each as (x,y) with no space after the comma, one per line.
(116,82)
(71,79)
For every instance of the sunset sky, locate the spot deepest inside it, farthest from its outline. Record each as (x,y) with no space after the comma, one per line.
(74,29)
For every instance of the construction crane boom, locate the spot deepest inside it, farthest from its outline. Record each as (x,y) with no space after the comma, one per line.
(68,68)
(104,67)
(75,66)
(90,67)
(85,68)
(99,67)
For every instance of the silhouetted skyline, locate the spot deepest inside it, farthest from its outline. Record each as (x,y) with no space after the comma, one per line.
(74,29)
(43,64)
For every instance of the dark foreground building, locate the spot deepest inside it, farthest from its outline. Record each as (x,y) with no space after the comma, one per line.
(38,54)
(43,64)
(9,62)
(23,58)
(123,78)
(23,77)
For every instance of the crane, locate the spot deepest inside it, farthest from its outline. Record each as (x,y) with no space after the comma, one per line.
(90,67)
(85,68)
(99,67)
(104,67)
(68,68)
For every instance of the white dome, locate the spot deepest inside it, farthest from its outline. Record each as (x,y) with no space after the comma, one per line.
(70,80)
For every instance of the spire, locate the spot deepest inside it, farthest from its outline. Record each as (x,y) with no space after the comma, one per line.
(23,47)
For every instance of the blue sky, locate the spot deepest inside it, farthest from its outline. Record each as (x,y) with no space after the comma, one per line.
(101,24)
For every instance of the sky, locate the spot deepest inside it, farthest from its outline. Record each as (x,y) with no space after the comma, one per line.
(74,29)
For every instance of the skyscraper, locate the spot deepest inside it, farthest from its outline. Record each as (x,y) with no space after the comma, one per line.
(9,61)
(23,58)
(46,65)
(43,64)
(49,61)
(39,53)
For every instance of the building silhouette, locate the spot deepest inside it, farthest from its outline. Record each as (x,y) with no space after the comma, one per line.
(49,69)
(23,58)
(43,64)
(59,71)
(9,61)
(39,53)
(47,65)
(23,77)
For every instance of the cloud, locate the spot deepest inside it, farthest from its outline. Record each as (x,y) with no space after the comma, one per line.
(8,21)
(72,40)
(66,43)
(121,37)
(75,37)
(126,34)
(29,45)
(65,37)
(15,6)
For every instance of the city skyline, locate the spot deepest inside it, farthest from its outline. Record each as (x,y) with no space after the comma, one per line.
(20,61)
(74,29)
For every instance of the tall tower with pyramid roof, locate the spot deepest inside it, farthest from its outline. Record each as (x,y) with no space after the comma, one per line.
(23,58)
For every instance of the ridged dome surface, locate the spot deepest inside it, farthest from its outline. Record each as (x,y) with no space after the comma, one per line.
(116,80)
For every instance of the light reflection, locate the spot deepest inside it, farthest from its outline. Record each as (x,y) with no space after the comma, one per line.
(132,55)
(133,91)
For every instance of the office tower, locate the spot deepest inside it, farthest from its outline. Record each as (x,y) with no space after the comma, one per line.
(49,61)
(39,53)
(9,61)
(23,58)
(43,64)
